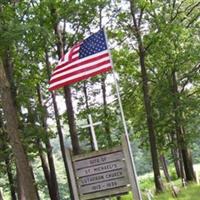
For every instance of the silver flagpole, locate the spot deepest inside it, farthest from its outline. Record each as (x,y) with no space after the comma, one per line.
(137,193)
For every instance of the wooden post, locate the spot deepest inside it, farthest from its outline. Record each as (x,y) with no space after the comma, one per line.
(132,177)
(71,172)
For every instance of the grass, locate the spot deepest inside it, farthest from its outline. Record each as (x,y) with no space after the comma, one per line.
(191,192)
(146,182)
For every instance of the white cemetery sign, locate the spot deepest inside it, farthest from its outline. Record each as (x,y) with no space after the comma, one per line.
(102,173)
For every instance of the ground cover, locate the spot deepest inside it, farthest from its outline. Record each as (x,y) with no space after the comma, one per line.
(190,192)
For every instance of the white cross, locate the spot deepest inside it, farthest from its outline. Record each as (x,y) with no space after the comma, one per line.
(91,126)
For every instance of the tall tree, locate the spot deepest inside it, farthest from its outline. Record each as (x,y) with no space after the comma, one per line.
(7,159)
(147,100)
(11,179)
(67,89)
(174,63)
(103,88)
(53,177)
(58,126)
(10,113)
(45,167)
(48,169)
(165,36)
(180,133)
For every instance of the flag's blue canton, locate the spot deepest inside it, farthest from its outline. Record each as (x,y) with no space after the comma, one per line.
(93,44)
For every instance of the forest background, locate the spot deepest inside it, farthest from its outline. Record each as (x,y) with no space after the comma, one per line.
(155,49)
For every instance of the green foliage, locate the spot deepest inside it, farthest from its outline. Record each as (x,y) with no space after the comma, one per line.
(170,33)
(146,182)
(172,173)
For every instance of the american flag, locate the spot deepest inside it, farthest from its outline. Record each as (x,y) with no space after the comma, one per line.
(85,59)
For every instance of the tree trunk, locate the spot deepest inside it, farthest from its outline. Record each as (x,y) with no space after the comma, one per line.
(71,121)
(59,129)
(8,66)
(175,154)
(165,167)
(45,168)
(70,112)
(10,113)
(184,152)
(45,165)
(183,175)
(60,47)
(188,164)
(33,176)
(150,124)
(67,90)
(8,161)
(54,183)
(10,179)
(1,195)
(176,160)
(106,120)
(20,190)
(88,109)
(103,88)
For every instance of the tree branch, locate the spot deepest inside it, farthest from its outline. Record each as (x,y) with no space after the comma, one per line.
(191,10)
(188,76)
(193,20)
(177,11)
(140,17)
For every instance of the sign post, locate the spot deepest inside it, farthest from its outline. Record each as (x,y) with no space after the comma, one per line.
(71,174)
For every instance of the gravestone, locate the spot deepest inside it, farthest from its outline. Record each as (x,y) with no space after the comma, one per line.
(197,176)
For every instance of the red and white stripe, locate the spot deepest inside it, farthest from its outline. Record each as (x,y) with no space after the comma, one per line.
(72,69)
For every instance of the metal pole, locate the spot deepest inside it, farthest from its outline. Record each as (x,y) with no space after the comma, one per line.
(138,195)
